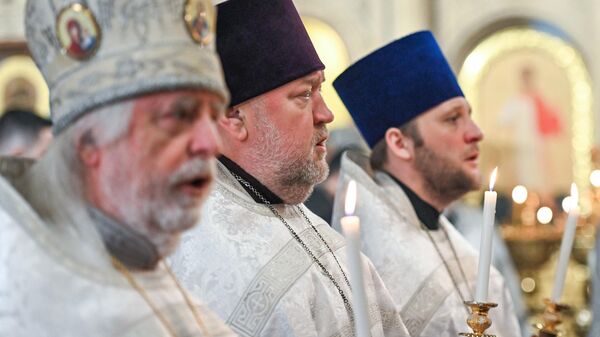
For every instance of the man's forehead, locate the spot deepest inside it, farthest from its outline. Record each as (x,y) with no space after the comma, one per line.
(316,77)
(450,105)
(165,99)
(169,95)
(313,79)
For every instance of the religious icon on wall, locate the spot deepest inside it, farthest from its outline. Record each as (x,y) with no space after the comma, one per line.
(77,31)
(526,97)
(199,17)
(533,116)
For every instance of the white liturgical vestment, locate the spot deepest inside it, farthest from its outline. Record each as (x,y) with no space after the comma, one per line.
(247,268)
(49,289)
(408,262)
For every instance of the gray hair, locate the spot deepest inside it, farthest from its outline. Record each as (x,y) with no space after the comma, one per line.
(54,185)
(107,123)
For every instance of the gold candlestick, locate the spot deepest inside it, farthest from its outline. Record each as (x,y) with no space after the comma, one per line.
(551,319)
(478,320)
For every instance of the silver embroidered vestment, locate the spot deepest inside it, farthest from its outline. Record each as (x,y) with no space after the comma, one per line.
(48,287)
(403,254)
(248,269)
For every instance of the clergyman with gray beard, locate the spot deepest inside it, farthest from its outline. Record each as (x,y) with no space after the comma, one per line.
(259,258)
(86,228)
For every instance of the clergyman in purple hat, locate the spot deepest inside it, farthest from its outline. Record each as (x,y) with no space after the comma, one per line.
(405,100)
(262,261)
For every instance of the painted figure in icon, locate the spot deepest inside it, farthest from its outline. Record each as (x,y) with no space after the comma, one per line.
(82,41)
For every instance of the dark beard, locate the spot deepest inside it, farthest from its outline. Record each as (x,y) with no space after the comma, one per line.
(443,179)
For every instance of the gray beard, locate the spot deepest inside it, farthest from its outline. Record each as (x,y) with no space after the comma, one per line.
(155,210)
(299,178)
(295,177)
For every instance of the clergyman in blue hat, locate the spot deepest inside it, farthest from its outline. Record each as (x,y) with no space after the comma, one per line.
(84,229)
(405,100)
(262,261)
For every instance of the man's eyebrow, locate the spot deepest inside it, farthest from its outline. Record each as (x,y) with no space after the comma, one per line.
(460,108)
(457,109)
(184,102)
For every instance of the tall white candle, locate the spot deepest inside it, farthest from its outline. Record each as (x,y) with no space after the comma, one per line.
(485,245)
(566,245)
(351,228)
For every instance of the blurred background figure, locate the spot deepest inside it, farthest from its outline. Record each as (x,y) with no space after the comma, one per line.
(24,134)
(532,120)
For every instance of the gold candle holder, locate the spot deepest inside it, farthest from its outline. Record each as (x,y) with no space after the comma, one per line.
(551,318)
(478,320)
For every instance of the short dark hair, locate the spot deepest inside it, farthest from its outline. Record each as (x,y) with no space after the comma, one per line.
(22,123)
(379,152)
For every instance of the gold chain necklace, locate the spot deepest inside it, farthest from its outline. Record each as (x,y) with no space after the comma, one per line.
(123,270)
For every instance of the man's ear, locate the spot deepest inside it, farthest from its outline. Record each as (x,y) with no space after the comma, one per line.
(87,149)
(399,144)
(234,123)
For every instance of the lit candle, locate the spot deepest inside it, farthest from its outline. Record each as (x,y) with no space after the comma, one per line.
(485,246)
(351,228)
(566,245)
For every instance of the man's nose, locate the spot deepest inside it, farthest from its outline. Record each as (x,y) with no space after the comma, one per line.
(321,113)
(473,133)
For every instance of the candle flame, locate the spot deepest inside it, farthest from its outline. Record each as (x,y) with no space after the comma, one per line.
(574,195)
(493,178)
(350,198)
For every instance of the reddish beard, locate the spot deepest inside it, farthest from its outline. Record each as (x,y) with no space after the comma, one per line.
(444,178)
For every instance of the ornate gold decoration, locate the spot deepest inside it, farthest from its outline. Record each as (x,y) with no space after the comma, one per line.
(200,20)
(551,319)
(77,32)
(479,320)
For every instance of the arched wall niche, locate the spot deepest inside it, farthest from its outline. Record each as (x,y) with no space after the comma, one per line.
(458,50)
(534,72)
(460,24)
